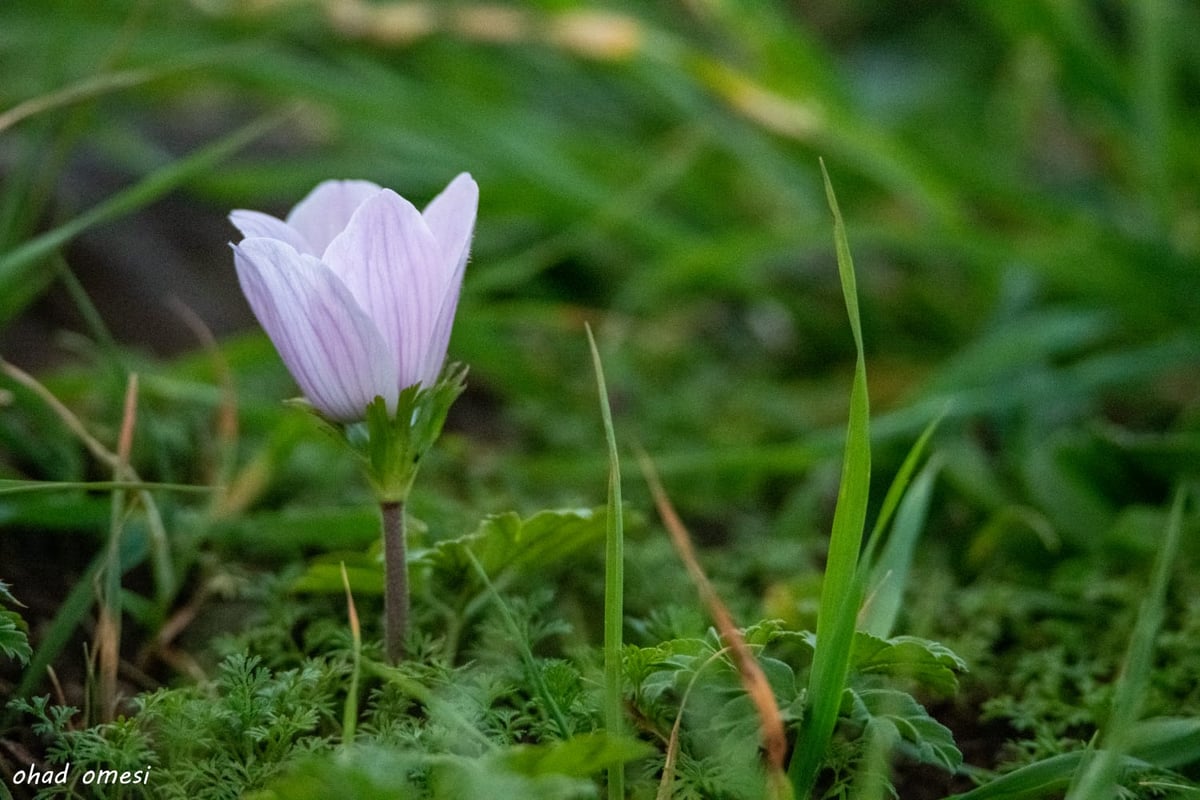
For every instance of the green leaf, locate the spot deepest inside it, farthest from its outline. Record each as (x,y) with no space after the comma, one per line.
(14,641)
(897,716)
(931,664)
(1035,780)
(506,545)
(614,577)
(1166,742)
(358,773)
(769,631)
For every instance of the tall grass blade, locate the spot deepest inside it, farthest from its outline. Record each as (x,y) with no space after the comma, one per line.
(81,90)
(841,591)
(614,581)
(888,575)
(897,491)
(18,486)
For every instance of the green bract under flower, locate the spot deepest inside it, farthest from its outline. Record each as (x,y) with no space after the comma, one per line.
(392,445)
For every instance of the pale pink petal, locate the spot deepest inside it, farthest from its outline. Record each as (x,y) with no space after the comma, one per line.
(392,265)
(451,218)
(254,224)
(327,209)
(439,338)
(329,344)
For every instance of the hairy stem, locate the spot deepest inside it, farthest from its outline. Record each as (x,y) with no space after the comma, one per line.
(395,591)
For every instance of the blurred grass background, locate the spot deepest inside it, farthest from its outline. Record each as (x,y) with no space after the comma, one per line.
(1019,181)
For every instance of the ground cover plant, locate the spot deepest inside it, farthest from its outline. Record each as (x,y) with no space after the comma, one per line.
(830,425)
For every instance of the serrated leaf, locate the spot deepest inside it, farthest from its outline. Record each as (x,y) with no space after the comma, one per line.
(931,664)
(13,641)
(505,544)
(898,716)
(639,663)
(770,631)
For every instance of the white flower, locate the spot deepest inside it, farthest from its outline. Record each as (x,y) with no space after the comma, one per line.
(357,289)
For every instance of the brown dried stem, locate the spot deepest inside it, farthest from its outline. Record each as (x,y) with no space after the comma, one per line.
(753,679)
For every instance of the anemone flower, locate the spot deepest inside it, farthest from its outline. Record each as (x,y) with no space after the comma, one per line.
(357,289)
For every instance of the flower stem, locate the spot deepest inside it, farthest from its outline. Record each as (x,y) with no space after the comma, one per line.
(395,591)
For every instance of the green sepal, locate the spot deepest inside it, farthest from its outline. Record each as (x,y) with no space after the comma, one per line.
(392,445)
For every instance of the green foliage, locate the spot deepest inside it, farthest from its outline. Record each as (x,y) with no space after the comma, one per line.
(508,547)
(392,446)
(202,742)
(1157,746)
(212,741)
(1020,186)
(695,678)
(14,632)
(896,717)
(930,665)
(48,721)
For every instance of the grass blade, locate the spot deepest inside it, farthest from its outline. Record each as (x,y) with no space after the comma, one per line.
(888,575)
(1165,742)
(614,581)
(74,93)
(841,591)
